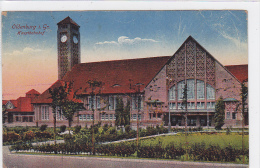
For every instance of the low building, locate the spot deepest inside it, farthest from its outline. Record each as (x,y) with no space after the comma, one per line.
(20,112)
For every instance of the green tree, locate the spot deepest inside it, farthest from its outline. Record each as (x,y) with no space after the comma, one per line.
(4,113)
(69,108)
(58,96)
(119,112)
(127,113)
(219,116)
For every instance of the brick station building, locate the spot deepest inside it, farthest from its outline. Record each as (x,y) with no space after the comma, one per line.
(154,86)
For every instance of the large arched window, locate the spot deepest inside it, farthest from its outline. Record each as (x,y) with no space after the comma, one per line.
(210,91)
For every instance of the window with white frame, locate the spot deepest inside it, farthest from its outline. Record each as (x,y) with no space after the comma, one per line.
(110,116)
(200,90)
(88,116)
(82,117)
(134,116)
(172,93)
(210,105)
(106,117)
(172,105)
(191,105)
(114,117)
(103,117)
(200,105)
(45,112)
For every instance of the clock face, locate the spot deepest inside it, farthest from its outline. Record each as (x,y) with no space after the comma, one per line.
(75,40)
(63,38)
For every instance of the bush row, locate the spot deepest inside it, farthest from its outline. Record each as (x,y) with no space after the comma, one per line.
(197,152)
(25,136)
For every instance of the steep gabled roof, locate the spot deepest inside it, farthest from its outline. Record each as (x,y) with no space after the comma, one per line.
(68,20)
(45,97)
(116,76)
(33,91)
(239,71)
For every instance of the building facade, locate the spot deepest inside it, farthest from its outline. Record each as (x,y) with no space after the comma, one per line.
(153,86)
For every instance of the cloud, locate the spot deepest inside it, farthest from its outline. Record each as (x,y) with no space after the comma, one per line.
(25,51)
(124,40)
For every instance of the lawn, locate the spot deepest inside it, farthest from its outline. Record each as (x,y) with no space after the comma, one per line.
(221,139)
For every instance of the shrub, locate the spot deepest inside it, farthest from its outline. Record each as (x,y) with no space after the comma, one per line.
(43,127)
(10,137)
(63,128)
(29,135)
(77,128)
(127,128)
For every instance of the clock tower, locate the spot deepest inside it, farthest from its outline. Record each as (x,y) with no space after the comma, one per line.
(68,43)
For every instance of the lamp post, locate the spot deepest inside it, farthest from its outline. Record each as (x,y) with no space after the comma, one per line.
(93,85)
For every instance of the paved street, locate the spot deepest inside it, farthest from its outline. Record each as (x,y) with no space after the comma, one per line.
(33,161)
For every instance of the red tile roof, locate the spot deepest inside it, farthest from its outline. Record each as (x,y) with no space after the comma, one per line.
(4,102)
(239,71)
(33,91)
(23,105)
(45,97)
(68,20)
(116,75)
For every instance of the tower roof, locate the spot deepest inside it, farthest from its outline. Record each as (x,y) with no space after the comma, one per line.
(68,20)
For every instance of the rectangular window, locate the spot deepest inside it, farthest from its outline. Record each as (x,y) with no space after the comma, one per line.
(190,89)
(102,116)
(191,105)
(172,93)
(234,116)
(80,117)
(139,116)
(200,105)
(88,117)
(181,86)
(134,116)
(211,105)
(111,103)
(84,116)
(91,117)
(45,112)
(106,116)
(228,116)
(137,102)
(111,117)
(98,102)
(114,116)
(200,90)
(180,106)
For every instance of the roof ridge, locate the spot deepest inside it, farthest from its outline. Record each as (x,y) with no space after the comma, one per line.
(124,59)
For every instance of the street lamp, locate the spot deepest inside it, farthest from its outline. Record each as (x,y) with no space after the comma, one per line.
(168,80)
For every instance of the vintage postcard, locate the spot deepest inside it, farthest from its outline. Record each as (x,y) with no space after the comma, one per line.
(102,85)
